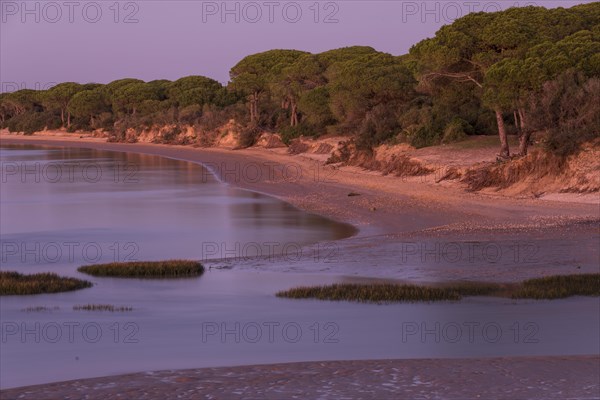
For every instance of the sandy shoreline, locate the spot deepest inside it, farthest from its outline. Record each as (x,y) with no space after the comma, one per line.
(309,184)
(542,378)
(407,229)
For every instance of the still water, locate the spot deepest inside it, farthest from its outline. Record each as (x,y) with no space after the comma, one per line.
(62,208)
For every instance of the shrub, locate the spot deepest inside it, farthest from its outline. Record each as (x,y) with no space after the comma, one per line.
(104,121)
(31,122)
(379,125)
(423,137)
(191,114)
(170,134)
(248,136)
(567,108)
(289,133)
(455,131)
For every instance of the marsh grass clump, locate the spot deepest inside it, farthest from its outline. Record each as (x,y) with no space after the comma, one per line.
(146,269)
(40,309)
(559,286)
(553,287)
(14,283)
(101,307)
(477,288)
(378,293)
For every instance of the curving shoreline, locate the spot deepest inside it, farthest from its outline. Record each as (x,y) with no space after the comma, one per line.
(309,184)
(397,220)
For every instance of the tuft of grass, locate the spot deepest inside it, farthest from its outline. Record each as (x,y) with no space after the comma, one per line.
(553,287)
(14,283)
(559,287)
(101,307)
(146,269)
(40,309)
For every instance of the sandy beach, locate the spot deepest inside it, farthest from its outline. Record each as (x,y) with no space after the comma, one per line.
(408,229)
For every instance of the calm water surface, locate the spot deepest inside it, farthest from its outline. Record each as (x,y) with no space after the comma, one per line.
(62,208)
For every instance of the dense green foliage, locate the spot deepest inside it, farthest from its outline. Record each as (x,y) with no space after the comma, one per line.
(552,287)
(515,71)
(146,269)
(14,283)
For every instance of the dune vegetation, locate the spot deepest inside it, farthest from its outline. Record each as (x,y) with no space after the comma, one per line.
(552,287)
(14,283)
(145,269)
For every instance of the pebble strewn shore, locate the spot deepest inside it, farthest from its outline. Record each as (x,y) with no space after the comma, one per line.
(547,378)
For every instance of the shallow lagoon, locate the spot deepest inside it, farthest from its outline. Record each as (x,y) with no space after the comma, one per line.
(155,208)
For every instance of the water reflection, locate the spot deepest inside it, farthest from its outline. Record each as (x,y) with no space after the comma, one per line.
(168,208)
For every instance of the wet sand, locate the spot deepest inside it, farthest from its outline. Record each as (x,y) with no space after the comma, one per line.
(495,378)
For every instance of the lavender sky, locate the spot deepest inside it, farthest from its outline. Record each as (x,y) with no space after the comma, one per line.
(46,42)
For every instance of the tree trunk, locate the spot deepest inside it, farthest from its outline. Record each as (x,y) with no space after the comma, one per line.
(294,118)
(517,122)
(525,134)
(68,119)
(254,107)
(524,143)
(522,118)
(62,116)
(504,150)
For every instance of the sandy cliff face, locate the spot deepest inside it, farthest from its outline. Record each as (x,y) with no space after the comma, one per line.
(475,168)
(227,136)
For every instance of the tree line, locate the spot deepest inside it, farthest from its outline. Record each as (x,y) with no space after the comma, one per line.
(512,72)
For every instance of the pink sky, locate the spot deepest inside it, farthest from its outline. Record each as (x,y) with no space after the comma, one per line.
(45,42)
